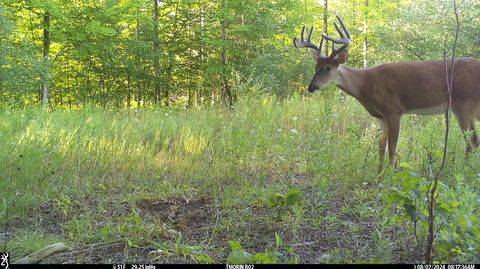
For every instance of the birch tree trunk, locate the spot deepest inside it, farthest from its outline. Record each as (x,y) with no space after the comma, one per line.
(365,61)
(46,58)
(156,50)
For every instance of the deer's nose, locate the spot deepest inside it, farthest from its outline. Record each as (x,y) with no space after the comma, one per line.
(312,88)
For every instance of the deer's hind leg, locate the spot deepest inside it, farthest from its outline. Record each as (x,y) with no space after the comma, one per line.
(466,119)
(393,131)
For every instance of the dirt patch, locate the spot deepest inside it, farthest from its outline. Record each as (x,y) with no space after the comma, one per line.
(192,217)
(49,218)
(313,242)
(45,217)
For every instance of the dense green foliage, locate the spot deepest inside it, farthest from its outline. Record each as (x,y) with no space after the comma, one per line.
(111,54)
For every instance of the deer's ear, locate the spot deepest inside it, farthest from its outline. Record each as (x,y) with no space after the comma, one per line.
(342,57)
(314,55)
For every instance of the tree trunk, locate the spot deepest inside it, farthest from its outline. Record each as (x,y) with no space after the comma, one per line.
(171,59)
(156,50)
(46,58)
(202,51)
(189,95)
(226,92)
(365,61)
(129,92)
(139,97)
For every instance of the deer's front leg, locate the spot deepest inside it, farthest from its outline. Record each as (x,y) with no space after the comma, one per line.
(393,129)
(382,145)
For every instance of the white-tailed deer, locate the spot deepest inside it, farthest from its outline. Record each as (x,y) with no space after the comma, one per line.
(390,90)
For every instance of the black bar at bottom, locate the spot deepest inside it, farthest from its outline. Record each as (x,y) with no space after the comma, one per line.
(244,266)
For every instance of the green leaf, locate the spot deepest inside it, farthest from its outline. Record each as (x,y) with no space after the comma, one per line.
(294,196)
(411,211)
(415,194)
(443,214)
(465,221)
(459,178)
(266,258)
(395,197)
(235,245)
(105,232)
(443,247)
(438,153)
(131,244)
(239,257)
(278,240)
(406,165)
(204,259)
(423,217)
(444,206)
(278,197)
(266,201)
(136,219)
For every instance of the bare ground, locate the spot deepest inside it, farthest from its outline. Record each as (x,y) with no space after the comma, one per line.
(200,222)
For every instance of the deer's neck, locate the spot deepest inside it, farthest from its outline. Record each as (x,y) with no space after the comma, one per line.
(351,80)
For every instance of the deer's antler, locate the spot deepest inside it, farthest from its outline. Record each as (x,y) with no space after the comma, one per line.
(344,38)
(302,43)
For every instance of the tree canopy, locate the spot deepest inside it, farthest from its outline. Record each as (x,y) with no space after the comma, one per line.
(115,53)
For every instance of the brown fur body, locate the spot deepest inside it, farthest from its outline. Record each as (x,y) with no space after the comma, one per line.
(390,90)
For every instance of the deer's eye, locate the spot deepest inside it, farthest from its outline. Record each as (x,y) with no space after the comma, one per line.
(328,68)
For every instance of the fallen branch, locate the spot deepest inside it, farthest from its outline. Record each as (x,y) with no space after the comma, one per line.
(43,253)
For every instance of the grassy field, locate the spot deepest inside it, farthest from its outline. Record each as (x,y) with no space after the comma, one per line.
(289,182)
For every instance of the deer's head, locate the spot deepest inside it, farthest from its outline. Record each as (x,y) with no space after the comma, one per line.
(326,68)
